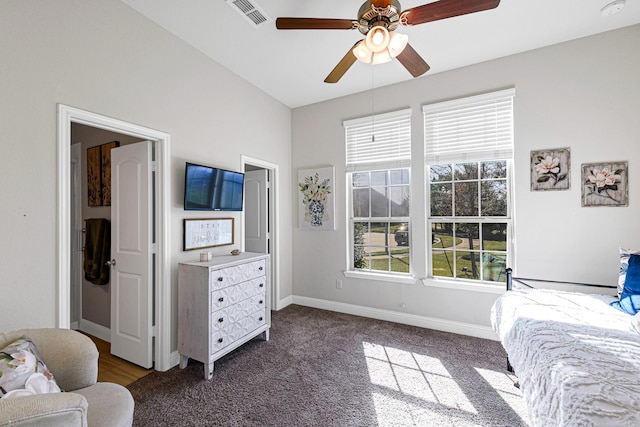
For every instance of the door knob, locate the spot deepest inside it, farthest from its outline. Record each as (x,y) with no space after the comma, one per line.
(112,262)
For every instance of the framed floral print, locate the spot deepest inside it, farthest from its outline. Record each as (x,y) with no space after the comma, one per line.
(315,206)
(551,169)
(605,184)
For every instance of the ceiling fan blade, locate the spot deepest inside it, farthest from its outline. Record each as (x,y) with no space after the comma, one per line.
(412,61)
(445,9)
(345,63)
(315,24)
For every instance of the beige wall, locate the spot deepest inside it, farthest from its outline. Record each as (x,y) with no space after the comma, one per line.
(581,94)
(104,57)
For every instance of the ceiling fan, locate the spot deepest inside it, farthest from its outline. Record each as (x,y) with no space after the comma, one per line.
(377,21)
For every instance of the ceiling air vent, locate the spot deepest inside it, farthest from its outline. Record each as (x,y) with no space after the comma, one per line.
(252,12)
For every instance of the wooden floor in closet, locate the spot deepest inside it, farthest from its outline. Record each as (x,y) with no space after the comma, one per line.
(114,369)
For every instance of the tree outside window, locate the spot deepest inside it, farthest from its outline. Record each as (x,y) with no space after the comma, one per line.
(469,220)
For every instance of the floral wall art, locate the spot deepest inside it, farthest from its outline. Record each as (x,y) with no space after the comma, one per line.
(551,169)
(316,207)
(605,184)
(99,174)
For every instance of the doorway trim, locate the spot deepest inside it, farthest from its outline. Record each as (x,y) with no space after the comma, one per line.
(66,116)
(274,203)
(76,242)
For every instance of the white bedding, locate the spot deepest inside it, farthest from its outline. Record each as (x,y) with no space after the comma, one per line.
(577,361)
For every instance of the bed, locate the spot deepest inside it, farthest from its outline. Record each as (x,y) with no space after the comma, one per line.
(576,357)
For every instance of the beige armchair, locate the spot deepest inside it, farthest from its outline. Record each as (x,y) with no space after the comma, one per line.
(72,358)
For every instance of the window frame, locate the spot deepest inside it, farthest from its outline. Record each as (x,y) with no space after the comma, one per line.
(395,153)
(479,219)
(389,219)
(449,152)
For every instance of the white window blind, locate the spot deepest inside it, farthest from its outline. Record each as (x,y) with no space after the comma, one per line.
(474,128)
(382,141)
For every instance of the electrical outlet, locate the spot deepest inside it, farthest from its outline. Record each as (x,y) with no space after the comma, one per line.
(338,284)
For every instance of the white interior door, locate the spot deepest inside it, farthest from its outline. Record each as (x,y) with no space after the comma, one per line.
(256,215)
(131,253)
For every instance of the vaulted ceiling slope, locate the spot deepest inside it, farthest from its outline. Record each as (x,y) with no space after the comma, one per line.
(291,65)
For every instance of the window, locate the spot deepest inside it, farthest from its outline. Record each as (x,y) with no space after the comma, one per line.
(378,152)
(468,151)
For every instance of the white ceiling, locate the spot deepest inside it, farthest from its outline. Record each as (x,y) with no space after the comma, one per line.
(291,65)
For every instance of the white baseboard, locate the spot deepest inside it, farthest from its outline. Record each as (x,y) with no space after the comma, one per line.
(94,329)
(174,359)
(284,303)
(404,318)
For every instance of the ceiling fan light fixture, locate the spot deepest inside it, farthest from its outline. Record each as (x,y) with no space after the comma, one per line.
(377,39)
(381,57)
(362,52)
(397,43)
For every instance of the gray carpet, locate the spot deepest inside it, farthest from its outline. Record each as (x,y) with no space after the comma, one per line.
(321,368)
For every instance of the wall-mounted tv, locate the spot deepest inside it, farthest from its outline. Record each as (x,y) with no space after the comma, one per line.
(211,189)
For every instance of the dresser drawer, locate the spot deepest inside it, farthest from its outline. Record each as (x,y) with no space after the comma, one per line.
(225,297)
(248,307)
(228,276)
(250,288)
(222,318)
(230,334)
(222,298)
(234,331)
(219,340)
(254,321)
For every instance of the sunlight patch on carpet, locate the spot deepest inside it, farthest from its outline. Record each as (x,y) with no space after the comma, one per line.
(417,377)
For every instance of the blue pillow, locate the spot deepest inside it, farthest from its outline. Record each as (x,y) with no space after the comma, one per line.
(630,297)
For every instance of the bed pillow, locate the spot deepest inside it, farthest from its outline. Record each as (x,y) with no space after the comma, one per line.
(630,298)
(624,264)
(22,371)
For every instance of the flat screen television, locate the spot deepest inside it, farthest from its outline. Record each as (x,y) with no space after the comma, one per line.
(211,189)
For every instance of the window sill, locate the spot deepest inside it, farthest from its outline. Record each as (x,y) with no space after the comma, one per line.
(405,280)
(464,286)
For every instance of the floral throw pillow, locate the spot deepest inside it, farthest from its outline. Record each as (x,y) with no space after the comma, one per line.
(22,371)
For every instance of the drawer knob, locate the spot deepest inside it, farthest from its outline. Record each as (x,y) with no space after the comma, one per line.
(220,299)
(260,268)
(262,285)
(220,340)
(220,279)
(260,319)
(221,319)
(260,302)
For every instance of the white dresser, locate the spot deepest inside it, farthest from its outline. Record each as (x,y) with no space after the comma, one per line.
(222,304)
